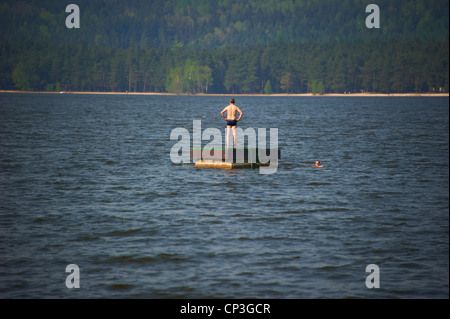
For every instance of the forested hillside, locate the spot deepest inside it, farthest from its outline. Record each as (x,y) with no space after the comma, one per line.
(225,46)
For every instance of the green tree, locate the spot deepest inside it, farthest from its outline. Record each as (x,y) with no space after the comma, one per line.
(205,79)
(233,76)
(268,88)
(320,88)
(174,83)
(287,82)
(313,87)
(20,77)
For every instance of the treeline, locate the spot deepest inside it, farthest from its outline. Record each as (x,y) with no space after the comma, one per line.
(225,46)
(208,24)
(317,67)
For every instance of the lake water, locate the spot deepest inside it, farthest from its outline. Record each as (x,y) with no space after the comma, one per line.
(88,180)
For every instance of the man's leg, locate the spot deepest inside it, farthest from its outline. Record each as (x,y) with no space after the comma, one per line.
(228,136)
(234,135)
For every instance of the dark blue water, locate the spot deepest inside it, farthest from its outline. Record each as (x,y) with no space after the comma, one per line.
(88,180)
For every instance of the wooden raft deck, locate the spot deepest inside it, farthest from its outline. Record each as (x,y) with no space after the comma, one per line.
(223,158)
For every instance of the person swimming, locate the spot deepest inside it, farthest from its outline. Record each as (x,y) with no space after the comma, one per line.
(317,164)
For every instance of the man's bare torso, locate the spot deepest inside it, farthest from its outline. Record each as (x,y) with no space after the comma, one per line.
(231,119)
(231,111)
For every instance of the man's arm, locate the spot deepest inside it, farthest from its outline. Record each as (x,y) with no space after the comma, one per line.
(240,113)
(223,111)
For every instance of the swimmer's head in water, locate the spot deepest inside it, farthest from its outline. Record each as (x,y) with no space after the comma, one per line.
(318,164)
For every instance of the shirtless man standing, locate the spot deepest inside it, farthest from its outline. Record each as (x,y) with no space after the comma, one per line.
(231,120)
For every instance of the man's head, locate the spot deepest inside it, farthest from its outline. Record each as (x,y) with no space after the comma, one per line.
(232,101)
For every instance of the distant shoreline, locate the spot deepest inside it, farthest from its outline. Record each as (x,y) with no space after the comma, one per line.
(256,94)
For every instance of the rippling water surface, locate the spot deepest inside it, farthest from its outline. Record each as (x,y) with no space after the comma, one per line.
(88,180)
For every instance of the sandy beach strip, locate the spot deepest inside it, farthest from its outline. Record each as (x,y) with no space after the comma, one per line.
(256,94)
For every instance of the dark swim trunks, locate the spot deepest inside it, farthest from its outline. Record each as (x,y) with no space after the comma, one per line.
(231,122)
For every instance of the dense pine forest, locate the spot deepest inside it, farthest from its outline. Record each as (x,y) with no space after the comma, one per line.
(225,46)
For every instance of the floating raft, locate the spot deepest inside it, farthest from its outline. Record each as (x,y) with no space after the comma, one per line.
(227,165)
(235,155)
(233,158)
